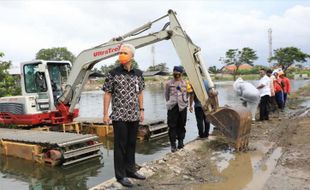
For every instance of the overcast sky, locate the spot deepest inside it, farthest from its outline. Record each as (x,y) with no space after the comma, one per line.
(215,26)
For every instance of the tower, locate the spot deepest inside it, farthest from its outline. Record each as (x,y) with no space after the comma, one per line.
(270,45)
(153,55)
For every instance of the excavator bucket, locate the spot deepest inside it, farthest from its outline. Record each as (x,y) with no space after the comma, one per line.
(234,123)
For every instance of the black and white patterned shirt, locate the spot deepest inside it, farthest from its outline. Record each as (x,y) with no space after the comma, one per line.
(125,86)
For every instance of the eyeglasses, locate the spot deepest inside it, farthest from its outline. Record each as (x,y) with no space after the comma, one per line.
(122,52)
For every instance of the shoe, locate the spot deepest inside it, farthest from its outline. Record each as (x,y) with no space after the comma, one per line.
(173,149)
(125,182)
(205,135)
(136,175)
(180,144)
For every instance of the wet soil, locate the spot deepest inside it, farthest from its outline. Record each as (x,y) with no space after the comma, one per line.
(278,158)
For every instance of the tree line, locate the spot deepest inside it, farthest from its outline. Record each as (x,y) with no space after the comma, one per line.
(282,57)
(8,83)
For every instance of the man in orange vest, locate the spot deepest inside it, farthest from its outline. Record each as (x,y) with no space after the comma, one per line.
(287,86)
(278,88)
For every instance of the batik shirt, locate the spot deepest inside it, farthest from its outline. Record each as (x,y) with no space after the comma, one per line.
(125,87)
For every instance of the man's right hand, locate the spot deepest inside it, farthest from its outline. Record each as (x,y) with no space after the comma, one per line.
(106,119)
(191,109)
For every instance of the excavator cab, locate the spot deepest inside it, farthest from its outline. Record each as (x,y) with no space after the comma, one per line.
(45,78)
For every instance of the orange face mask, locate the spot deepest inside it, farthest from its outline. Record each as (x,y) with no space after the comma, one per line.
(123,58)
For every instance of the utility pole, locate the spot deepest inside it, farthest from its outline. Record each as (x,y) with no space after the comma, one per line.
(153,55)
(270,45)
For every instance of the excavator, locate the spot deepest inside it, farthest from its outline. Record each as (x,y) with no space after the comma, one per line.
(51,89)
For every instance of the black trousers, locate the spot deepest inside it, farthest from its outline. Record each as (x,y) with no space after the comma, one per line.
(272,104)
(285,98)
(202,122)
(176,123)
(263,108)
(125,135)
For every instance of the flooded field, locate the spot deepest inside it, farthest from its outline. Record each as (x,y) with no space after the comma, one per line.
(20,174)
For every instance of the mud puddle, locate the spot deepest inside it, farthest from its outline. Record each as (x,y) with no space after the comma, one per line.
(242,171)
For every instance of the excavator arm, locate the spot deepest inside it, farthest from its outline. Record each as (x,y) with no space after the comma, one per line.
(86,60)
(234,123)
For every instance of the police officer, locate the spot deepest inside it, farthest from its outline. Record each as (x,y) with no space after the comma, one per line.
(177,94)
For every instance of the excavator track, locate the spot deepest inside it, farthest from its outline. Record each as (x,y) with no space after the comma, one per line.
(54,148)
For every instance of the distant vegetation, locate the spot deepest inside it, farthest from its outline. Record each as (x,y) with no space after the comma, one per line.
(238,57)
(286,57)
(159,67)
(9,85)
(56,54)
(105,69)
(283,57)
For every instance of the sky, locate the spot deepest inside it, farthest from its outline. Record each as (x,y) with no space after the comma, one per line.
(215,26)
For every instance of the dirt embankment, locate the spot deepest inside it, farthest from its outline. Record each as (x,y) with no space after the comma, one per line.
(278,158)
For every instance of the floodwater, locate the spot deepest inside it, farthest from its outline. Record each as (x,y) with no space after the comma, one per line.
(20,174)
(242,171)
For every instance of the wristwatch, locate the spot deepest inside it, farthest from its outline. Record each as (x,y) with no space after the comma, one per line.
(141,109)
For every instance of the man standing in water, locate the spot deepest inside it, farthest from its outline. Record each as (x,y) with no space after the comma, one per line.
(124,85)
(177,93)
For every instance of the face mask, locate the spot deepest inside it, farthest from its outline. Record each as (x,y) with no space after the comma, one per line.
(176,75)
(123,58)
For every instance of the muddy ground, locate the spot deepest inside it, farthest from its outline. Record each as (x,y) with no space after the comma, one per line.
(278,158)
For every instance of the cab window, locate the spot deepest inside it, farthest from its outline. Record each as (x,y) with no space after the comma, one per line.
(34,80)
